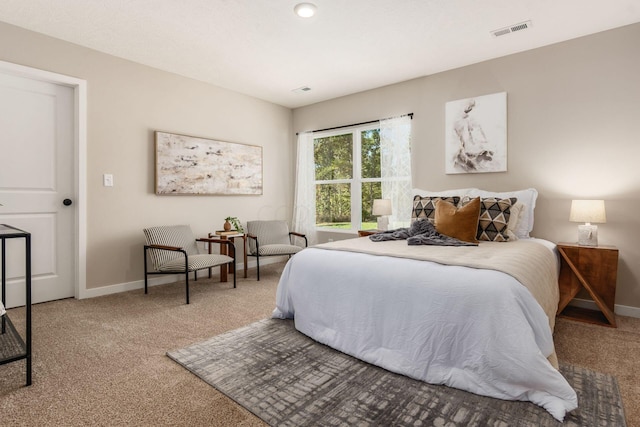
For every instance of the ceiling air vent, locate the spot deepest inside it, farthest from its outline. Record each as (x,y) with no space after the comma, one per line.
(511,29)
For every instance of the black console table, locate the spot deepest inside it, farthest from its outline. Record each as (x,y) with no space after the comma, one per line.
(12,346)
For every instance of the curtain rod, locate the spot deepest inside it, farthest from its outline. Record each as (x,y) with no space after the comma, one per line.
(355,124)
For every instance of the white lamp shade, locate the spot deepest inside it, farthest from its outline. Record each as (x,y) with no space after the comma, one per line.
(587,211)
(381,207)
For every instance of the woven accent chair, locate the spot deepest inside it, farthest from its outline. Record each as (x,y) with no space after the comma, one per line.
(173,250)
(271,238)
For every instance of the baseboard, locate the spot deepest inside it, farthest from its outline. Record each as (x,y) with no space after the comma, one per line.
(161,280)
(622,310)
(129,286)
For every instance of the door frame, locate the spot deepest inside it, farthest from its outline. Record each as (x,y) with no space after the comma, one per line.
(79,87)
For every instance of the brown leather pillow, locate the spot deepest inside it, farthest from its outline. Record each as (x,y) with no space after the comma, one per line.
(461,223)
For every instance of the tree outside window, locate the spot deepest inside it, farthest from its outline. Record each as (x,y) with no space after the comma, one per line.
(347,178)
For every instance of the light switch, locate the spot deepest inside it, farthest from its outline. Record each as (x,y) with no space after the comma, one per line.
(107,180)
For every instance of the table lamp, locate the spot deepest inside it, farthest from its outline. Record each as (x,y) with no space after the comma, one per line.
(587,211)
(382,208)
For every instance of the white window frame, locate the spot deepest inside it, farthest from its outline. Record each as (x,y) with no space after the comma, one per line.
(356,180)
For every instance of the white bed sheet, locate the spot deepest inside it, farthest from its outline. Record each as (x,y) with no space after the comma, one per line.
(473,329)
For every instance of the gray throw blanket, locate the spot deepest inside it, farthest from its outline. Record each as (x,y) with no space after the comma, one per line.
(421,232)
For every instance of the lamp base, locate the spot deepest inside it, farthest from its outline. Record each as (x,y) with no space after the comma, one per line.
(383,223)
(588,235)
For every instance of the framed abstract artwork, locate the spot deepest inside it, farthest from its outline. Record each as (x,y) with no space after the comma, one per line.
(476,134)
(193,165)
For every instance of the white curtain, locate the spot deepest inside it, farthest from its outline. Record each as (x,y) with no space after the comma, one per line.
(304,203)
(395,159)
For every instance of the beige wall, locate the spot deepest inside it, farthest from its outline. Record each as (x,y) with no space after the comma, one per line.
(573,112)
(126,103)
(573,132)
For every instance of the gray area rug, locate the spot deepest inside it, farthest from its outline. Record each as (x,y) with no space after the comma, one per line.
(287,379)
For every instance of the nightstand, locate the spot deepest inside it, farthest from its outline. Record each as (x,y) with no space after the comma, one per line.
(595,269)
(364,233)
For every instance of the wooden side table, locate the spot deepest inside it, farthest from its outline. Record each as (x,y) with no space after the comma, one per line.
(364,233)
(594,269)
(224,235)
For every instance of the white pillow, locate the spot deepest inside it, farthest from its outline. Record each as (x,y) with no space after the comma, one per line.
(527,197)
(514,219)
(460,192)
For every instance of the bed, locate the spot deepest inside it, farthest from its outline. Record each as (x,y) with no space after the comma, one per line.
(478,318)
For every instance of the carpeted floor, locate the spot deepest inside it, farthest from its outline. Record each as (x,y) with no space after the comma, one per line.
(288,379)
(102,361)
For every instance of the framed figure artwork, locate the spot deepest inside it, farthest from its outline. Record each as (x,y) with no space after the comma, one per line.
(193,165)
(476,134)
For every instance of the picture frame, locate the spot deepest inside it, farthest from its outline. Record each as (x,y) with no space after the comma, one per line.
(190,165)
(476,134)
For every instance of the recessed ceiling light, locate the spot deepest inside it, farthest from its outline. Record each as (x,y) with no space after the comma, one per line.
(305,10)
(302,89)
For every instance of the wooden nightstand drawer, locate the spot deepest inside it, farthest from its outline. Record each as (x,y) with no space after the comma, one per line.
(595,269)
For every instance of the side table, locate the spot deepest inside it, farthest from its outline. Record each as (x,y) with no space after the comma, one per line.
(594,268)
(224,235)
(364,233)
(12,346)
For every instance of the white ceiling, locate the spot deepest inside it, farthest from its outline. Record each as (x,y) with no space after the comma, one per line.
(261,48)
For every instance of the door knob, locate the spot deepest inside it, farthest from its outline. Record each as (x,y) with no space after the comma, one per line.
(67,202)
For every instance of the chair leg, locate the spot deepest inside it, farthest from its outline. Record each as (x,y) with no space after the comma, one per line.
(145,272)
(187,285)
(258,266)
(234,273)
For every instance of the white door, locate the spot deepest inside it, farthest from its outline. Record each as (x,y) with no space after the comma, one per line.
(36,176)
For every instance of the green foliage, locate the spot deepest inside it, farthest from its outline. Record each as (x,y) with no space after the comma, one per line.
(347,225)
(333,203)
(235,222)
(370,154)
(333,157)
(334,161)
(370,192)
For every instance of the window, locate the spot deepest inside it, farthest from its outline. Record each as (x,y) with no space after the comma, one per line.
(340,173)
(347,177)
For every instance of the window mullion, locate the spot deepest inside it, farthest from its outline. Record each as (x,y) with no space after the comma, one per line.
(356,186)
(334,181)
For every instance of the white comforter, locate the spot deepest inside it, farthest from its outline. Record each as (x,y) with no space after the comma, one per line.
(473,329)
